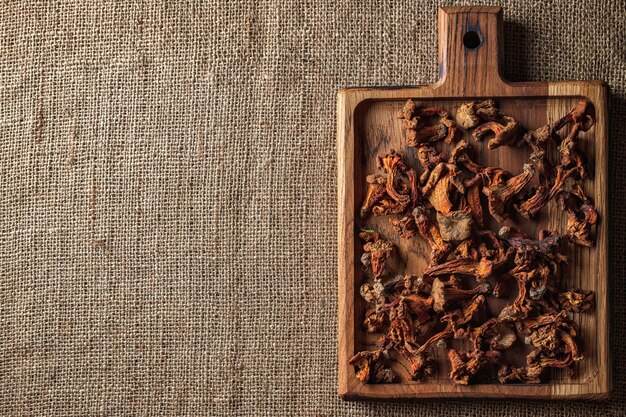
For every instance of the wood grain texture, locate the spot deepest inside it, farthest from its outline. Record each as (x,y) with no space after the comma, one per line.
(366,127)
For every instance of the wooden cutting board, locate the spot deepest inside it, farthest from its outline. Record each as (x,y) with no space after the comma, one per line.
(470,53)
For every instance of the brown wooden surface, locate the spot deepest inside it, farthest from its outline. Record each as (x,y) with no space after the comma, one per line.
(366,127)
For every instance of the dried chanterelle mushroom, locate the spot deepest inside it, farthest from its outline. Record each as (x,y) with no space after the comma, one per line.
(376,252)
(426,124)
(469,115)
(445,307)
(505,132)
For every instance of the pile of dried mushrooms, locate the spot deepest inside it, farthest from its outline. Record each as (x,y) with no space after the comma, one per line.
(445,305)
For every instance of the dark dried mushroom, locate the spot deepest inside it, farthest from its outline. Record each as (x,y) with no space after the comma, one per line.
(503,337)
(581,215)
(421,365)
(385,376)
(464,365)
(462,316)
(375,319)
(413,284)
(577,301)
(580,119)
(462,155)
(419,307)
(527,249)
(538,141)
(543,195)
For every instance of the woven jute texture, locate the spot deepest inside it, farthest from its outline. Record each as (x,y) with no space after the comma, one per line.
(168,196)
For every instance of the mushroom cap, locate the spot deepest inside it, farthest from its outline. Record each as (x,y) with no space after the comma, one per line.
(456,226)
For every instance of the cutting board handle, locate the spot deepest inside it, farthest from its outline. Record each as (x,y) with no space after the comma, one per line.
(470,50)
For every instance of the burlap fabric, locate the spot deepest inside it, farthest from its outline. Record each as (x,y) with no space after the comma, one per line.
(168,196)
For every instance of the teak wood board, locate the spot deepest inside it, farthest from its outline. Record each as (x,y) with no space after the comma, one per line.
(367,127)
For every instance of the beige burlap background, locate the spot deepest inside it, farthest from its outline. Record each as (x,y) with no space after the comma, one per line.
(167,203)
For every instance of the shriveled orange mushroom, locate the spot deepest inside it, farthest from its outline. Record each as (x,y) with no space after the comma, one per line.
(464,365)
(429,231)
(369,367)
(428,158)
(442,181)
(505,133)
(462,316)
(415,120)
(479,269)
(377,252)
(445,295)
(580,119)
(500,187)
(581,215)
(393,192)
(538,140)
(577,301)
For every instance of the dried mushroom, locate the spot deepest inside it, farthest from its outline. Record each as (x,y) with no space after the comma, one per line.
(505,132)
(464,365)
(426,124)
(455,226)
(393,192)
(577,301)
(445,294)
(462,316)
(543,195)
(448,303)
(442,181)
(404,225)
(500,187)
(538,141)
(430,232)
(428,158)
(580,119)
(377,252)
(571,167)
(469,115)
(376,191)
(371,367)
(581,215)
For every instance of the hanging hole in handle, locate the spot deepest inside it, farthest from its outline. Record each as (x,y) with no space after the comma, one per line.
(472,39)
